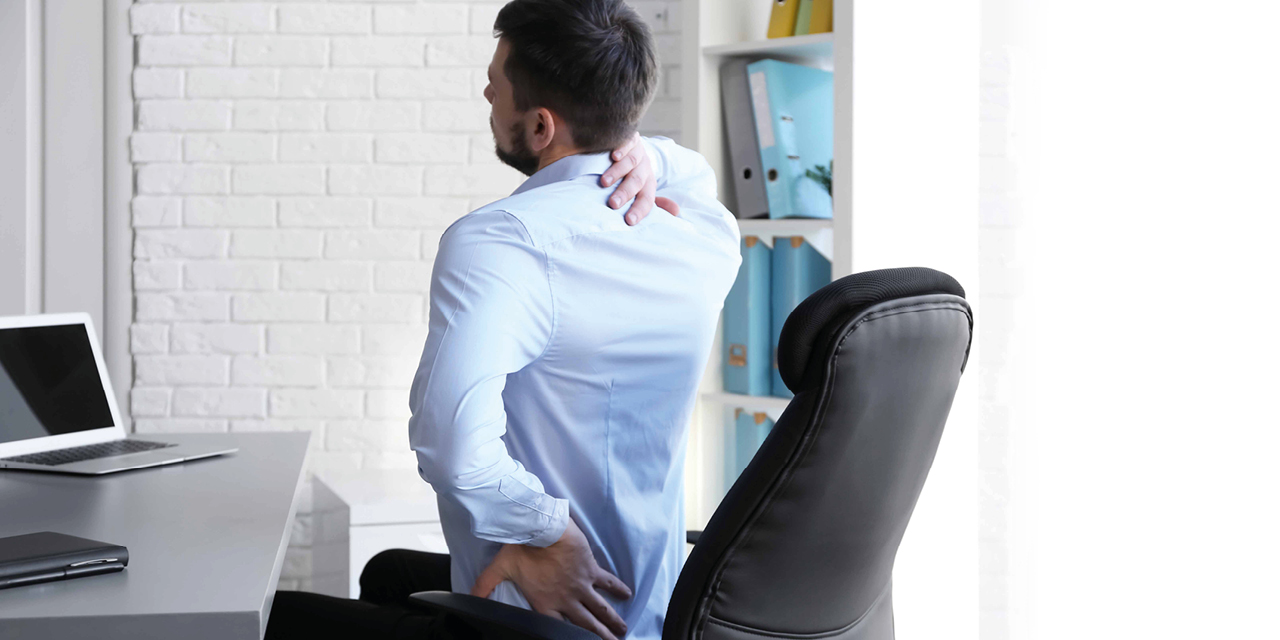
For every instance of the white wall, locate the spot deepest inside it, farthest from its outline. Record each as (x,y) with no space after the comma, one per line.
(295,165)
(1001,307)
(1144,430)
(54,227)
(19,161)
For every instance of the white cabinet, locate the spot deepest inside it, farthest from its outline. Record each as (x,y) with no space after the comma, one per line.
(358,514)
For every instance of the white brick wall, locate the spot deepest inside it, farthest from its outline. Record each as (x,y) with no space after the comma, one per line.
(296,163)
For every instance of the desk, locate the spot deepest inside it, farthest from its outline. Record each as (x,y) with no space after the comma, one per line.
(206,542)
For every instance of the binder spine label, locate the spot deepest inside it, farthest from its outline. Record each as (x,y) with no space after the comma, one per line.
(760,104)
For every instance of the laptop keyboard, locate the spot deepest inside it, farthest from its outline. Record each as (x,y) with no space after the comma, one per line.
(88,452)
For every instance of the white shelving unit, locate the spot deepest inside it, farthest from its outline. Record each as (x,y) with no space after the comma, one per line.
(785,227)
(905,193)
(755,403)
(710,42)
(814,46)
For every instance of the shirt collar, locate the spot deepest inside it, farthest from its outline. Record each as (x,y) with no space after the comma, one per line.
(567,168)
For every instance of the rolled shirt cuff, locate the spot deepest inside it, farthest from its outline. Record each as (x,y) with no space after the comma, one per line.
(555,528)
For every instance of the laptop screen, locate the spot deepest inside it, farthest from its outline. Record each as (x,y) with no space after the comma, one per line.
(49,383)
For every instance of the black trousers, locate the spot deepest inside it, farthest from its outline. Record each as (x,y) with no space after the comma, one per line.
(382,610)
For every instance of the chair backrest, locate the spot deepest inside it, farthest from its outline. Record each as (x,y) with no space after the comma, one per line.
(804,543)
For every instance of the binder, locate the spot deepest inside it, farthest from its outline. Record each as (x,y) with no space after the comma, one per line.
(798,271)
(793,107)
(749,431)
(782,22)
(744,150)
(746,323)
(821,19)
(803,15)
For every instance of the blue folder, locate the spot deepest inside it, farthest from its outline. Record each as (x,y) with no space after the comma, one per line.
(747,353)
(794,108)
(749,431)
(798,271)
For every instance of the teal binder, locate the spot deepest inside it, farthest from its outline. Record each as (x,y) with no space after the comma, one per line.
(798,271)
(747,354)
(749,431)
(793,106)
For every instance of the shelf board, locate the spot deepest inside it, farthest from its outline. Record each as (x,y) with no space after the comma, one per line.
(817,45)
(781,227)
(747,402)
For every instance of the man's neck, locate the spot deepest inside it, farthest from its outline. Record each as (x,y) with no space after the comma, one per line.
(555,152)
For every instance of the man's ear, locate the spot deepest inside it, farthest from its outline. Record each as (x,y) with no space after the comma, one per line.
(542,130)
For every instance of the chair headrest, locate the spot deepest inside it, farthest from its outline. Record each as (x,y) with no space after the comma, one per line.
(809,329)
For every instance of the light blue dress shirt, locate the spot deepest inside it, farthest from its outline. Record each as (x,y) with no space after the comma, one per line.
(561,368)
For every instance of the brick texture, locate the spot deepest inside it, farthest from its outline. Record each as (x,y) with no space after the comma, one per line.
(296,163)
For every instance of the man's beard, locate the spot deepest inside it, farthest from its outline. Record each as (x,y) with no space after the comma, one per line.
(520,157)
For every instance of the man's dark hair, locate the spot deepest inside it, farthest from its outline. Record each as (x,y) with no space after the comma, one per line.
(592,62)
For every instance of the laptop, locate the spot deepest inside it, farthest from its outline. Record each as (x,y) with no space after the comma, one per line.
(57,410)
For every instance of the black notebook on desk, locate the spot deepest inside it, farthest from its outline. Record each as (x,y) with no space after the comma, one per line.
(48,556)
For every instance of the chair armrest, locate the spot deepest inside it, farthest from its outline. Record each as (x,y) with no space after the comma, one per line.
(692,536)
(498,620)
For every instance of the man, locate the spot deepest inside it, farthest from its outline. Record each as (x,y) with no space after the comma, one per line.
(565,345)
(565,348)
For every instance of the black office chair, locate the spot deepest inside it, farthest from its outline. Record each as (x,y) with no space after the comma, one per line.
(804,543)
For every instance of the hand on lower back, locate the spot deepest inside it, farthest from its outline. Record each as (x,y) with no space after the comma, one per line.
(560,581)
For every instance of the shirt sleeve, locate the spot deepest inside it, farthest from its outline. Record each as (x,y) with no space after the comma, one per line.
(491,315)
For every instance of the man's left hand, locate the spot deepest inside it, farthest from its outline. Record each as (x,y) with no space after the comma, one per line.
(631,163)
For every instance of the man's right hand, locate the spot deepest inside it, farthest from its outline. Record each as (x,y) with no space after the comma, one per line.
(560,581)
(631,165)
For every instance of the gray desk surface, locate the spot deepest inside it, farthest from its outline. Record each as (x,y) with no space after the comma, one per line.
(206,542)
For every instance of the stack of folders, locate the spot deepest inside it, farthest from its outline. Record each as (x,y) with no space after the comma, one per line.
(800,18)
(779,123)
(747,432)
(770,284)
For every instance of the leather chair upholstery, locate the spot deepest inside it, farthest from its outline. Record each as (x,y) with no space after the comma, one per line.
(803,544)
